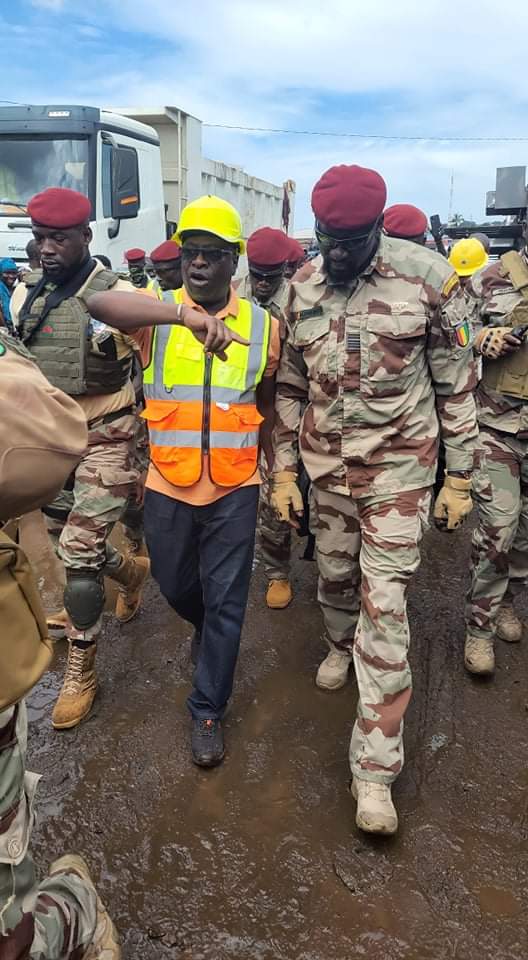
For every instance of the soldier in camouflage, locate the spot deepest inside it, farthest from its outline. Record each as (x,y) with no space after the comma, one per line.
(265,284)
(498,299)
(60,917)
(92,363)
(379,349)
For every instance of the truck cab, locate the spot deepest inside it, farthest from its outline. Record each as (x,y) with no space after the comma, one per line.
(113,160)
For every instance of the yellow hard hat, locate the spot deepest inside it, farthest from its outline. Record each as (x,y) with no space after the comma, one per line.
(468,256)
(210,214)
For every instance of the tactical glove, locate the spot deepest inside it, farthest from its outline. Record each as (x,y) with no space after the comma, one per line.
(494,342)
(286,498)
(453,503)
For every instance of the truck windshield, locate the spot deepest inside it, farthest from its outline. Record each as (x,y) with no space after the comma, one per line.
(28,166)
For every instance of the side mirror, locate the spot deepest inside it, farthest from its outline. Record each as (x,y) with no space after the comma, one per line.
(125,183)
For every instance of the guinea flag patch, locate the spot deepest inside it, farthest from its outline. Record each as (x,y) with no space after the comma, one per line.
(462,333)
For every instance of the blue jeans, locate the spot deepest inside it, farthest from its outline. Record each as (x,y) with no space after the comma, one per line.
(202,559)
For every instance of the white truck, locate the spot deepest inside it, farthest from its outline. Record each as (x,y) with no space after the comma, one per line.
(137,175)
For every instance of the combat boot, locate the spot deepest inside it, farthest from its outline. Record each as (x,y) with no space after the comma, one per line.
(279,594)
(105,942)
(333,671)
(375,812)
(130,575)
(78,689)
(58,624)
(479,656)
(508,626)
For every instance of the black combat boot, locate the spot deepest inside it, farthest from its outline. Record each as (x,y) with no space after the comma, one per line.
(207,742)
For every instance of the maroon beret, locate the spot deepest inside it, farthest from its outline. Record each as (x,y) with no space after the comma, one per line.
(268,247)
(59,208)
(296,251)
(169,250)
(348,197)
(404,220)
(136,253)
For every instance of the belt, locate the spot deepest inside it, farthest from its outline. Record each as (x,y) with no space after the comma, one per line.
(110,417)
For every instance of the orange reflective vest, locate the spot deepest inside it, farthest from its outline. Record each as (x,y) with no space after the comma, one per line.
(197,405)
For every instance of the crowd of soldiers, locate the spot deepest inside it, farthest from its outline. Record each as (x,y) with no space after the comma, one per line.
(330,382)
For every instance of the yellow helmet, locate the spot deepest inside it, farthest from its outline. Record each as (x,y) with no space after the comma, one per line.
(210,214)
(468,256)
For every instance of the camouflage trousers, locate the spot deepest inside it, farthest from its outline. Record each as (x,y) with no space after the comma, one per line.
(274,537)
(132,518)
(47,920)
(500,540)
(82,516)
(367,551)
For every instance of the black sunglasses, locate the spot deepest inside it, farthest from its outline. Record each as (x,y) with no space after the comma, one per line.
(211,254)
(327,242)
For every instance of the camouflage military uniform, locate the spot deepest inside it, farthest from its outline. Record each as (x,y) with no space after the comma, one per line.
(53,919)
(500,541)
(274,536)
(380,363)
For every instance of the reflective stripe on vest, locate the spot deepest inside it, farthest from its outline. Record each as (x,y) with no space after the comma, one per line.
(197,405)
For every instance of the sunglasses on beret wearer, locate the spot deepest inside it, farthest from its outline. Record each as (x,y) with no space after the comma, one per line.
(210,254)
(266,274)
(327,242)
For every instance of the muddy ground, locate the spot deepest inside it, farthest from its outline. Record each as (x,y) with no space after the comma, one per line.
(260,858)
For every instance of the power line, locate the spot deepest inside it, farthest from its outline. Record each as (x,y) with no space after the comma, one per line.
(366,136)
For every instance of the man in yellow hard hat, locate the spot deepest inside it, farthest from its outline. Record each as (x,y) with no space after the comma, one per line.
(206,408)
(467,257)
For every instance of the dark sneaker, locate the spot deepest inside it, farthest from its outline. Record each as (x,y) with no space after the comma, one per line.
(207,742)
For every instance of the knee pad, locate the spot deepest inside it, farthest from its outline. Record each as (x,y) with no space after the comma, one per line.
(84,597)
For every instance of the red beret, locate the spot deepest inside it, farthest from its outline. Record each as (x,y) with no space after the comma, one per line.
(404,220)
(169,250)
(268,247)
(136,253)
(60,208)
(348,197)
(296,251)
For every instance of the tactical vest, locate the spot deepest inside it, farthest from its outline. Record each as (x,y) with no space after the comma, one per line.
(64,345)
(509,375)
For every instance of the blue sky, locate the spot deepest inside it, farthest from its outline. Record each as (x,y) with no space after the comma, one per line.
(389,68)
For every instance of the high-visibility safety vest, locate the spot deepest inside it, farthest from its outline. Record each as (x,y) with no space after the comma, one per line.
(198,405)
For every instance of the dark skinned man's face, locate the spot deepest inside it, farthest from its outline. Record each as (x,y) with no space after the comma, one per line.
(346,253)
(265,281)
(208,265)
(169,274)
(62,252)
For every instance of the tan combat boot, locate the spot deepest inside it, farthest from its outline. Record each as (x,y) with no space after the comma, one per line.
(131,576)
(78,689)
(508,626)
(375,812)
(479,656)
(58,624)
(333,671)
(105,942)
(279,594)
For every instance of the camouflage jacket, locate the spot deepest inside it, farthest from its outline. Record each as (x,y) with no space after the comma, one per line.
(380,363)
(276,305)
(491,298)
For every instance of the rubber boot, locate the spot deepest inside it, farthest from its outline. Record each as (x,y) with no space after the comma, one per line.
(279,594)
(130,575)
(508,626)
(479,657)
(58,624)
(375,812)
(78,689)
(333,671)
(105,942)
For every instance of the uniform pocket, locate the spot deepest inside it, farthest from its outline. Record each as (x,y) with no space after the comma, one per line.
(318,343)
(396,346)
